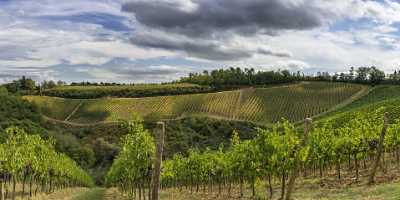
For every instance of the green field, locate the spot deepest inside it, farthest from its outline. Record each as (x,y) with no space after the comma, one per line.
(259,105)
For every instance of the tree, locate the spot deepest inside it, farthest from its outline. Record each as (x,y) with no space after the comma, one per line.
(61,83)
(48,84)
(3,90)
(351,74)
(24,84)
(376,76)
(362,74)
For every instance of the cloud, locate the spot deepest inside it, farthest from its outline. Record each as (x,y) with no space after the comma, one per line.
(292,65)
(160,40)
(284,54)
(206,29)
(38,74)
(209,16)
(106,20)
(199,49)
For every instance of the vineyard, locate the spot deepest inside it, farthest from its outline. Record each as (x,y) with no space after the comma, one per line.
(33,163)
(259,105)
(387,97)
(357,143)
(365,146)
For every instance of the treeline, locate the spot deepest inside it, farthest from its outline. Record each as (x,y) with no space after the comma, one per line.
(87,83)
(207,81)
(249,77)
(91,92)
(241,77)
(363,75)
(25,86)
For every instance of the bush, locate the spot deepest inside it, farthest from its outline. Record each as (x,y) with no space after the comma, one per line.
(3,90)
(91,92)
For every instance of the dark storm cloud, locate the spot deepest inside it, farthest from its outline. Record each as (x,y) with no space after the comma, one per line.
(238,16)
(204,49)
(272,53)
(205,29)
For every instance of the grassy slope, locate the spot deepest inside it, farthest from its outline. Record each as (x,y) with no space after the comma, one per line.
(92,194)
(261,105)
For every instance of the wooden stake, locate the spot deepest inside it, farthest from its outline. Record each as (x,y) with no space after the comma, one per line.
(157,166)
(295,171)
(380,149)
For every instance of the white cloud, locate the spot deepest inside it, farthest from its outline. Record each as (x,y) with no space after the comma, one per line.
(370,37)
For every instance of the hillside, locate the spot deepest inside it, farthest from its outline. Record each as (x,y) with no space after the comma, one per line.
(258,105)
(385,96)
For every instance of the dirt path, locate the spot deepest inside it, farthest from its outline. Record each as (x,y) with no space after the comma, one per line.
(74,111)
(113,194)
(77,124)
(91,194)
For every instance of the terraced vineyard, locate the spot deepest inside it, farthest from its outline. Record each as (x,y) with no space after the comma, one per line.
(386,96)
(260,105)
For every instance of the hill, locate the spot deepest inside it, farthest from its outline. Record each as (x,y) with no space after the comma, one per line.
(384,96)
(258,105)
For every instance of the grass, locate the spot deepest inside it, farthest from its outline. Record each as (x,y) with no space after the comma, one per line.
(62,194)
(92,194)
(384,191)
(310,189)
(260,105)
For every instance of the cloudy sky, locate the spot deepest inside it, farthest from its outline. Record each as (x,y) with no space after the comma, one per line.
(160,40)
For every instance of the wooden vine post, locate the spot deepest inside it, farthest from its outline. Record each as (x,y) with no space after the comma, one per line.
(380,149)
(295,170)
(159,154)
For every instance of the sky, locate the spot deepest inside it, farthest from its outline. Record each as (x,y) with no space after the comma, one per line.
(147,41)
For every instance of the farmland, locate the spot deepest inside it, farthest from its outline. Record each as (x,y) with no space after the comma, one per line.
(386,96)
(258,105)
(343,106)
